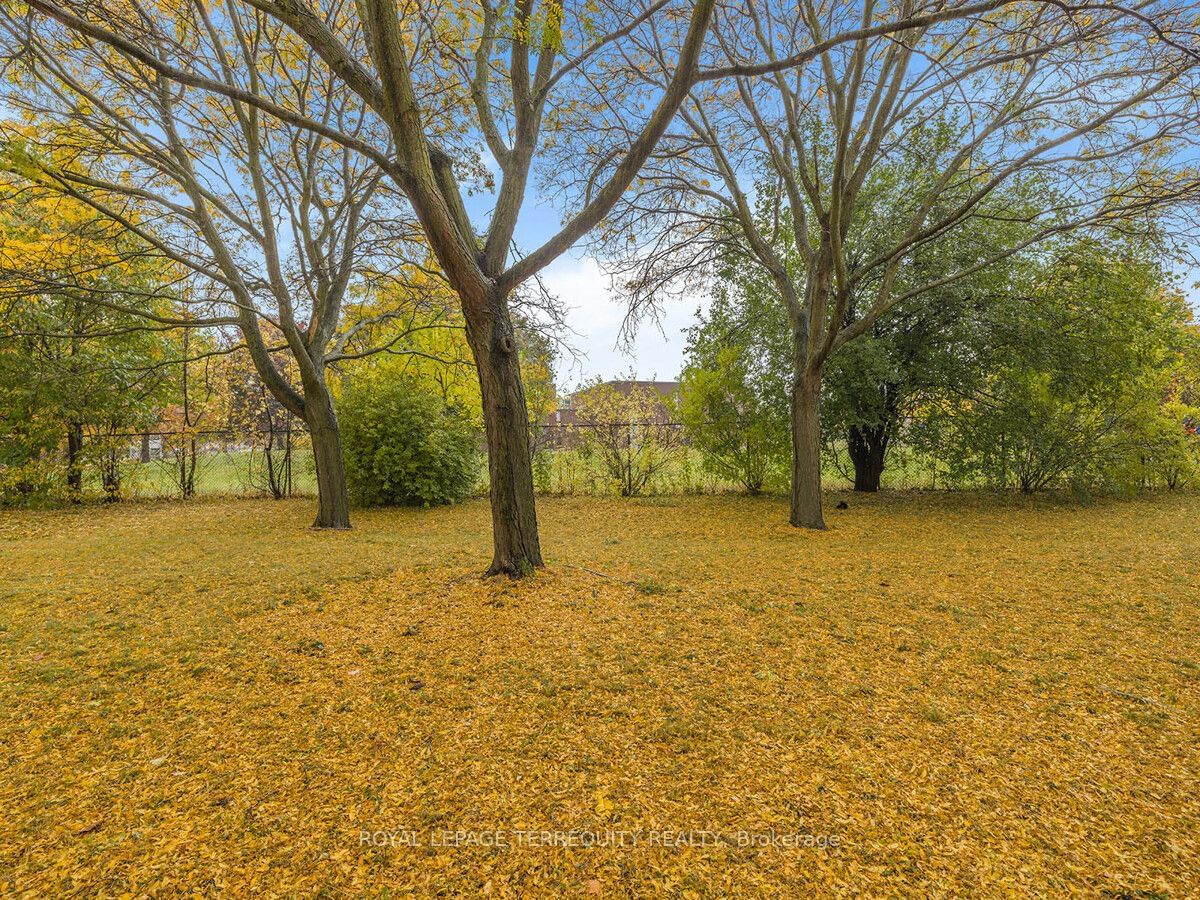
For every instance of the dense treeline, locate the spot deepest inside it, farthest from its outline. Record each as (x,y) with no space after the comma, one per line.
(1075,366)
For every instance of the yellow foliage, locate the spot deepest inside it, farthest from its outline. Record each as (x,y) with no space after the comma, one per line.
(44,235)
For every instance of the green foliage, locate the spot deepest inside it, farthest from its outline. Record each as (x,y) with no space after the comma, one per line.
(1165,448)
(1070,380)
(403,446)
(1165,434)
(734,396)
(69,365)
(732,417)
(870,385)
(873,384)
(36,481)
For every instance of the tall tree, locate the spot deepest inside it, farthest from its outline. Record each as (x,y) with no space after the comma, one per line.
(734,388)
(437,80)
(271,224)
(873,385)
(76,365)
(1066,374)
(1097,101)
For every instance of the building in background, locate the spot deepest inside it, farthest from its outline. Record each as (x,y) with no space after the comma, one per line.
(562,427)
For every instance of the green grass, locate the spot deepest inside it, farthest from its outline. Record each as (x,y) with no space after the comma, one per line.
(570,472)
(218,474)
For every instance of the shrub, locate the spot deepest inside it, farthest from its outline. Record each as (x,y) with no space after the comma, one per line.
(33,483)
(734,419)
(404,447)
(629,432)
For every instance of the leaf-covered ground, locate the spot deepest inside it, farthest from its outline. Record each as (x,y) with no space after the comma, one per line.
(940,696)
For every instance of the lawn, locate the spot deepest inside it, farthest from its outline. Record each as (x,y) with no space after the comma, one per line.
(218,473)
(941,695)
(231,473)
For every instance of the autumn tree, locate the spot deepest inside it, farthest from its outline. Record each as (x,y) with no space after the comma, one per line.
(1096,102)
(272,223)
(629,428)
(81,361)
(444,88)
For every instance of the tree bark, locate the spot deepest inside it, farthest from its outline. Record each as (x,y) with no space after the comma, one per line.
(74,449)
(510,463)
(806,451)
(333,499)
(111,475)
(868,449)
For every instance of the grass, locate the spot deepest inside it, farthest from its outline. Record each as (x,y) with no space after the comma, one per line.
(238,473)
(570,472)
(941,695)
(218,474)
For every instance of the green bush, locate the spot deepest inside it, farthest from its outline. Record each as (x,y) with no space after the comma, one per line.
(404,447)
(37,482)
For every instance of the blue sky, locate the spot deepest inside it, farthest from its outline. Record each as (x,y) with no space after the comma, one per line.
(594,310)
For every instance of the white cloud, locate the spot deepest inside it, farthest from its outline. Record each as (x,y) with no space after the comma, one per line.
(595,313)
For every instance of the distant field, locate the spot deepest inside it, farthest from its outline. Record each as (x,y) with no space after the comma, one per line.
(942,695)
(218,474)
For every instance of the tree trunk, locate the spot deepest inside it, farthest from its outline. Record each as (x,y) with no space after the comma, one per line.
(868,448)
(806,451)
(74,449)
(333,499)
(189,476)
(145,454)
(510,465)
(111,476)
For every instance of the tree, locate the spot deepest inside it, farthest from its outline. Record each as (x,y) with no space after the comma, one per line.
(874,384)
(197,394)
(733,393)
(370,80)
(519,79)
(1098,104)
(254,416)
(1170,435)
(1070,377)
(75,371)
(268,223)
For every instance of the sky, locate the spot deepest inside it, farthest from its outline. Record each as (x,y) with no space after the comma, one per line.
(594,315)
(594,311)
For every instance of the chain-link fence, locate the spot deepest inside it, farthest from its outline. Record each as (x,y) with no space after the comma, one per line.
(566,461)
(182,464)
(570,458)
(575,458)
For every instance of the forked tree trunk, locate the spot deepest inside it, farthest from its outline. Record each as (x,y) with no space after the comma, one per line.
(868,450)
(510,463)
(806,451)
(333,499)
